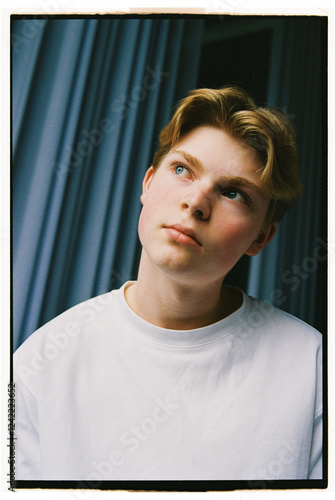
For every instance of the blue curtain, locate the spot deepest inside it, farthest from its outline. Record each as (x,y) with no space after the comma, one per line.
(89,97)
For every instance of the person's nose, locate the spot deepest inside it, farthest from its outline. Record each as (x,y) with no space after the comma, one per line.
(199,201)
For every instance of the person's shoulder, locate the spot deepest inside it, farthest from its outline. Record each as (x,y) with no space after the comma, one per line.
(67,325)
(52,350)
(283,324)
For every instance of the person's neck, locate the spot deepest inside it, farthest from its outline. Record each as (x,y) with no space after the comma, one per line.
(170,303)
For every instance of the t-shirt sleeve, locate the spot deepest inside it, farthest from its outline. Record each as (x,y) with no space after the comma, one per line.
(315,459)
(315,462)
(27,450)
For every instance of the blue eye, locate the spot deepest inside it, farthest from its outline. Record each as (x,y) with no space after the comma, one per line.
(179,169)
(233,194)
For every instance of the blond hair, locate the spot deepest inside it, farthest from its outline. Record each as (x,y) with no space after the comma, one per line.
(268,131)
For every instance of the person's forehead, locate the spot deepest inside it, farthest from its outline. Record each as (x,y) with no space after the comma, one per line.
(210,139)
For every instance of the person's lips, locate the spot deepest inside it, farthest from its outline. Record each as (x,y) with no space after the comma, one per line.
(183,235)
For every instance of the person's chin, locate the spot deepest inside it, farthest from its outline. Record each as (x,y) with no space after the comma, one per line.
(177,261)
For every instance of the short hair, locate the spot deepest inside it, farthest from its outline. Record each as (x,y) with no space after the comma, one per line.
(269,131)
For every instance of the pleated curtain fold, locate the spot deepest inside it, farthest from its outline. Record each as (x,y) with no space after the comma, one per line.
(89,97)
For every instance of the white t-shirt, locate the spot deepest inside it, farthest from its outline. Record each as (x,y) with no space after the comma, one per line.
(102,394)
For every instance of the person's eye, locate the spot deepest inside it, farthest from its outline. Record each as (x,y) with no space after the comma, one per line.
(234,194)
(181,170)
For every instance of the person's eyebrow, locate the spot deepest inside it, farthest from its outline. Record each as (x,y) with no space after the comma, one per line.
(193,160)
(231,180)
(235,181)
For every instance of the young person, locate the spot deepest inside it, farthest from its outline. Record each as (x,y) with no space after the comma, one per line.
(177,375)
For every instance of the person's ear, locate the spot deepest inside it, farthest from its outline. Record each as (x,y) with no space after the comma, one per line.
(264,237)
(146,183)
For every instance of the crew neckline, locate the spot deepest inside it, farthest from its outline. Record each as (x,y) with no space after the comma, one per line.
(182,338)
